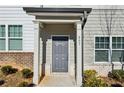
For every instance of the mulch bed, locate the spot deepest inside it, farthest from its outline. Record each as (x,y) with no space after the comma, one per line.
(13,80)
(112,82)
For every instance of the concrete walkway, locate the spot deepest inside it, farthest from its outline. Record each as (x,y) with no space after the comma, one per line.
(57,81)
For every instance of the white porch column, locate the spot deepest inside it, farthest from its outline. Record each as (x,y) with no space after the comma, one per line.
(79,53)
(36,64)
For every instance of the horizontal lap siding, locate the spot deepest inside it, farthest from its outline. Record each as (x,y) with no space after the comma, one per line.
(16,15)
(94,27)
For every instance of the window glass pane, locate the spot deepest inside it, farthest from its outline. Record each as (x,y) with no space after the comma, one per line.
(123,46)
(101,55)
(119,46)
(102,45)
(117,55)
(96,45)
(117,42)
(114,39)
(114,46)
(15,30)
(123,40)
(106,39)
(102,39)
(106,46)
(118,39)
(2,30)
(2,44)
(97,39)
(15,44)
(102,42)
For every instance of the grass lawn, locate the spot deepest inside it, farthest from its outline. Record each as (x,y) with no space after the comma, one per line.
(12,80)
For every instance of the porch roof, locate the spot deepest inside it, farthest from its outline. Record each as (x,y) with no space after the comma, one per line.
(56,10)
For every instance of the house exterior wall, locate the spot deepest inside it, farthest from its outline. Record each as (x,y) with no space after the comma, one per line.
(46,45)
(17,16)
(95,27)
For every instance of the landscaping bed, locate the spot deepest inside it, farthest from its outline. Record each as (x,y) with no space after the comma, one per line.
(112,82)
(115,78)
(13,77)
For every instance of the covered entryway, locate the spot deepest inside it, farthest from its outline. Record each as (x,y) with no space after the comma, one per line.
(59,54)
(58,44)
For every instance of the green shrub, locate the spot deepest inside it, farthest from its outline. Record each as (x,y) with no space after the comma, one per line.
(116,74)
(23,84)
(91,80)
(89,73)
(95,82)
(6,70)
(27,73)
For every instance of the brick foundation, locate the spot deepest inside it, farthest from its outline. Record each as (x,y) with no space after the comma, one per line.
(102,68)
(22,59)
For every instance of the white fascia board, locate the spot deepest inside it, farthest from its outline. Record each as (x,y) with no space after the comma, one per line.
(56,14)
(58,21)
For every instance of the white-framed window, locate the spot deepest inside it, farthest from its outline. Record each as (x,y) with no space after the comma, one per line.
(118,49)
(2,37)
(11,37)
(102,45)
(101,49)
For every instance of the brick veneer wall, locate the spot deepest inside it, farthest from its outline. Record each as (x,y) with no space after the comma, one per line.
(24,59)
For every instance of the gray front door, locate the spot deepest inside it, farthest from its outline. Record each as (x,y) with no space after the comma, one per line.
(60,54)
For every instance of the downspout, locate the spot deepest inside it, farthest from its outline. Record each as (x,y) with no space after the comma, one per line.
(84,20)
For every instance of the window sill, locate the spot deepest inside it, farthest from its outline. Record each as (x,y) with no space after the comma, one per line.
(12,51)
(107,63)
(102,63)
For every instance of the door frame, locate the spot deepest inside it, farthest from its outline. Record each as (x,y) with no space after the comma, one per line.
(68,55)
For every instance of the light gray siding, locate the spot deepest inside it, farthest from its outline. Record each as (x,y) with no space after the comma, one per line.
(95,27)
(16,15)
